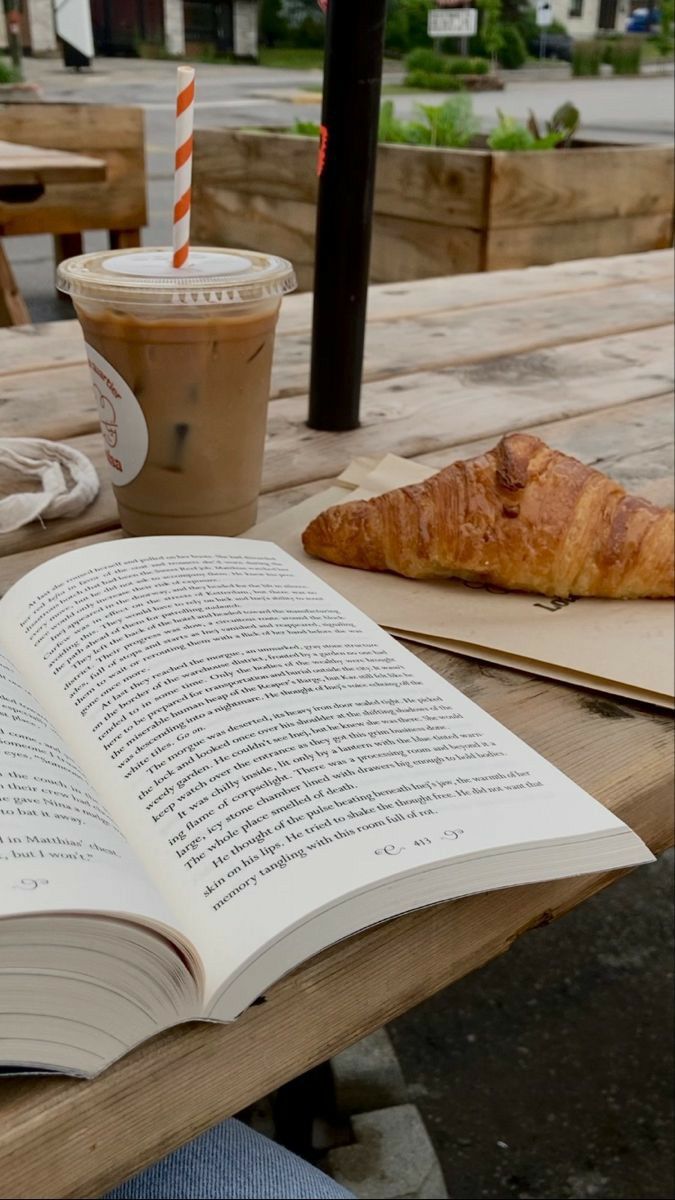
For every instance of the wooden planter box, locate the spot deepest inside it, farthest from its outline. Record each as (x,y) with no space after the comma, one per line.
(439,212)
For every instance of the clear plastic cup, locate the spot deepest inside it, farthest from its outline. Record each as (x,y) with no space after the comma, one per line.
(180,362)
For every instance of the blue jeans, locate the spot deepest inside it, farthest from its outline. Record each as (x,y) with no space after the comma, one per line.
(230,1162)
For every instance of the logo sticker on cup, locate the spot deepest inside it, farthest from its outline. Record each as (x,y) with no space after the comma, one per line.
(123,426)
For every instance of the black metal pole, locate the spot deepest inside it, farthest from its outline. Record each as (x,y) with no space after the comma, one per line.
(350,114)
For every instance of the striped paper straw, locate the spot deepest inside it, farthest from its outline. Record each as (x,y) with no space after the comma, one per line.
(185,119)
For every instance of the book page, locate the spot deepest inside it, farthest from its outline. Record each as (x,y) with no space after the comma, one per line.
(264,746)
(59,848)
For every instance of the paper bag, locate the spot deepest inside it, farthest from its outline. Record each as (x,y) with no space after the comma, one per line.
(625,647)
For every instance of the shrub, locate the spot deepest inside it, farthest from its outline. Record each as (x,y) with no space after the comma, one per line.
(586,57)
(664,38)
(432,63)
(467,66)
(434,81)
(424,59)
(273,27)
(7,72)
(513,52)
(406,25)
(624,55)
(491,27)
(477,46)
(310,34)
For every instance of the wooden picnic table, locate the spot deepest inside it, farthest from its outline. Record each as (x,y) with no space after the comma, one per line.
(33,164)
(579,353)
(24,171)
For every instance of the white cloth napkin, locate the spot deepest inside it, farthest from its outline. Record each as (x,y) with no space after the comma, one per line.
(39,459)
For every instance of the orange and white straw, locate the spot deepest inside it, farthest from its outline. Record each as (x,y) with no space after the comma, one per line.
(182,180)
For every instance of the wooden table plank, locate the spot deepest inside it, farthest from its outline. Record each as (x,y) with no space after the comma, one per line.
(20,164)
(401,416)
(39,347)
(438,341)
(91,1134)
(59,403)
(416,423)
(599,438)
(413,414)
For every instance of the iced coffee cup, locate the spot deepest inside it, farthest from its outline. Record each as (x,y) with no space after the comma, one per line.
(180,363)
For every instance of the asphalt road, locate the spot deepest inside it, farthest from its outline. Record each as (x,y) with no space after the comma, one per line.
(549,1072)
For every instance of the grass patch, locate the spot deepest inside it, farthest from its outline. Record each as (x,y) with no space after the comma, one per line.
(8,74)
(290,58)
(653,52)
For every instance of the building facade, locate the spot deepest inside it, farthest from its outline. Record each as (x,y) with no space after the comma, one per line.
(125,27)
(37,27)
(585,18)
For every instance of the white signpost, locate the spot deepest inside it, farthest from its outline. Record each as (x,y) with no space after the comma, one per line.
(452,22)
(544,16)
(544,13)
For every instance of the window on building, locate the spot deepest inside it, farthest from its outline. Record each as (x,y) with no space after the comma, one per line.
(576,8)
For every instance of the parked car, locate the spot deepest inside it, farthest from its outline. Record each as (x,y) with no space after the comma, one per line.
(643,20)
(556,45)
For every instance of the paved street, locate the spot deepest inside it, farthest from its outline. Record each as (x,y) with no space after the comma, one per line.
(633,109)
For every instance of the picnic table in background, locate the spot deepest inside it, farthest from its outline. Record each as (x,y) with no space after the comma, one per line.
(114,200)
(24,173)
(579,353)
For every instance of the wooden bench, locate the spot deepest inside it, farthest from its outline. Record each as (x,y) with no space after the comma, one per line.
(66,210)
(24,173)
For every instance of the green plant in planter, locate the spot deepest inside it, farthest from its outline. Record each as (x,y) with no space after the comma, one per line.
(306,128)
(564,121)
(511,134)
(454,125)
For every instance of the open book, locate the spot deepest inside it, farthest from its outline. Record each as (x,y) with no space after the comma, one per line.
(211,767)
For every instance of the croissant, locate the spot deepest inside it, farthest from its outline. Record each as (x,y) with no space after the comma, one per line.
(522,517)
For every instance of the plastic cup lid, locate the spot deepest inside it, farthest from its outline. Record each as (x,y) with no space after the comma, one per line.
(147,277)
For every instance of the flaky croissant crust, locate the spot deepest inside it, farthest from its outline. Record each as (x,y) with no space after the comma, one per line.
(522,517)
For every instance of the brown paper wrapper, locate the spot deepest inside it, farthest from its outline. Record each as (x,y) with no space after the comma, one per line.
(624,647)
